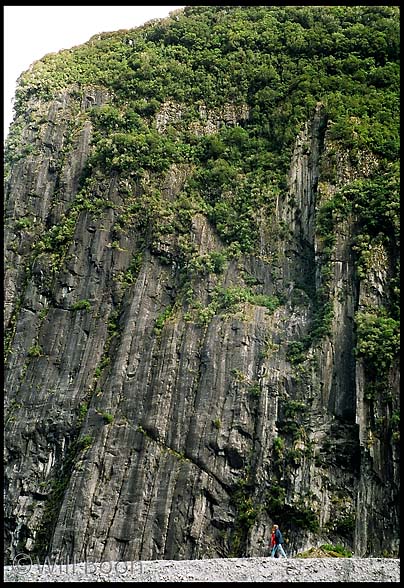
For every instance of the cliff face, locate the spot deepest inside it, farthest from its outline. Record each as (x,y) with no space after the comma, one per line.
(150,416)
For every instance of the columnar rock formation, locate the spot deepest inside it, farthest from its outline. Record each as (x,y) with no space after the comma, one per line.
(136,430)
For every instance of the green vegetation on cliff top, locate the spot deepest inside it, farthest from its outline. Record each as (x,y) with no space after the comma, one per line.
(279,60)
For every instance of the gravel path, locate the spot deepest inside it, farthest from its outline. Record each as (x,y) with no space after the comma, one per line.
(254,569)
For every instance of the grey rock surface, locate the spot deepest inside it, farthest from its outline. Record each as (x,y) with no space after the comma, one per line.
(128,442)
(255,569)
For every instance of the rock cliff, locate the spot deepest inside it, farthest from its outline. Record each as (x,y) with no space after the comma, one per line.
(168,397)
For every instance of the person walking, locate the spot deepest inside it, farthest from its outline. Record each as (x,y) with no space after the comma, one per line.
(272,542)
(278,547)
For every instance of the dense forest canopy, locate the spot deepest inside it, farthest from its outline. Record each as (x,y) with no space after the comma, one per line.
(280,60)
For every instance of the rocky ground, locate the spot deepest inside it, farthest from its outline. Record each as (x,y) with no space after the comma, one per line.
(254,569)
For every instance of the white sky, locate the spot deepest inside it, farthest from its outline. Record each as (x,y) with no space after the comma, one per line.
(30,32)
